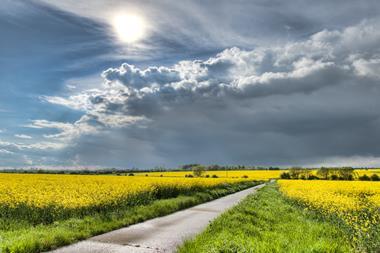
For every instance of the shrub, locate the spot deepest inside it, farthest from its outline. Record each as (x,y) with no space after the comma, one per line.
(198,170)
(375,177)
(214,176)
(245,176)
(207,175)
(295,172)
(364,178)
(131,174)
(299,173)
(313,177)
(285,175)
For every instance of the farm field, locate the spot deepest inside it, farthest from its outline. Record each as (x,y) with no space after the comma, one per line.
(250,174)
(40,212)
(368,171)
(298,216)
(356,205)
(196,126)
(44,211)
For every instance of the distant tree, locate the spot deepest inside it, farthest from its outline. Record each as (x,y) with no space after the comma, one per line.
(295,172)
(189,166)
(214,176)
(375,177)
(364,178)
(312,177)
(285,175)
(160,168)
(198,170)
(347,173)
(305,174)
(323,172)
(213,167)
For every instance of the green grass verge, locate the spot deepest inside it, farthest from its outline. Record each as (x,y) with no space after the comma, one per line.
(27,238)
(267,222)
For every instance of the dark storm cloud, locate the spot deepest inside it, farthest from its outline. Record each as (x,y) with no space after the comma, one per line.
(238,82)
(301,103)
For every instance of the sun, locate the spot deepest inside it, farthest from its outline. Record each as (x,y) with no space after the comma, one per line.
(129,27)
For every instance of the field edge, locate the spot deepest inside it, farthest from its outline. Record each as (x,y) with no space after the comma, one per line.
(267,222)
(58,234)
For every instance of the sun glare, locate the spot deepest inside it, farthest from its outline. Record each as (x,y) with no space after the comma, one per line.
(129,27)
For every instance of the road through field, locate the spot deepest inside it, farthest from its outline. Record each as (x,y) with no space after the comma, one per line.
(161,234)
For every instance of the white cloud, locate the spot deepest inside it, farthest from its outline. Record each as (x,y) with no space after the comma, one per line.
(4,151)
(368,68)
(66,131)
(240,105)
(42,145)
(138,78)
(131,93)
(71,86)
(27,160)
(23,136)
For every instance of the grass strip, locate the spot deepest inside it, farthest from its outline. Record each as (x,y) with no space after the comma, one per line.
(267,222)
(47,237)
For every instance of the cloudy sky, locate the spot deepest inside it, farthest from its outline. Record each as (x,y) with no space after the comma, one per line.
(120,83)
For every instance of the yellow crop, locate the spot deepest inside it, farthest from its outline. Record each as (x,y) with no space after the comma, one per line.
(76,191)
(367,172)
(357,203)
(251,174)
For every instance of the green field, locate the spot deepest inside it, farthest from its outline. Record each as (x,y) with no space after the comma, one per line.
(267,222)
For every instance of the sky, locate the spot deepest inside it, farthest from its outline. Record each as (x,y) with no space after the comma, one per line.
(140,84)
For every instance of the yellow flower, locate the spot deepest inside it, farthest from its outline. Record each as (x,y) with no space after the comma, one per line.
(72,191)
(355,202)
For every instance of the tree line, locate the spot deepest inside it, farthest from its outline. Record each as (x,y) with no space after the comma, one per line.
(344,173)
